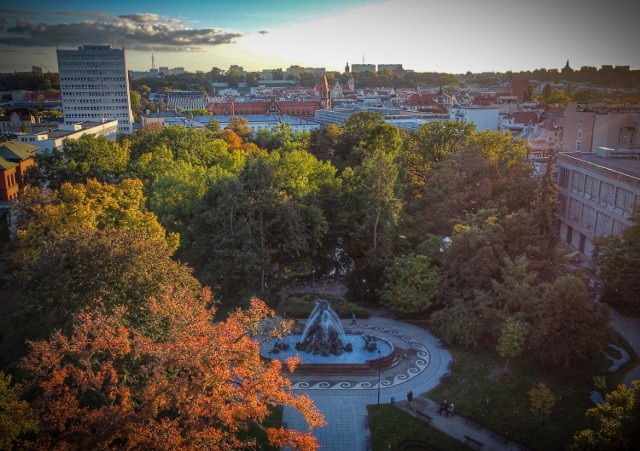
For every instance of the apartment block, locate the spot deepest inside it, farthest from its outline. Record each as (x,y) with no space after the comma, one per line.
(94,86)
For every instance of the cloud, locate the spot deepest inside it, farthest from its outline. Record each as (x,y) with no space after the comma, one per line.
(263,32)
(137,31)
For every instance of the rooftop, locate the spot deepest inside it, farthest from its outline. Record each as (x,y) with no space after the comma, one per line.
(624,165)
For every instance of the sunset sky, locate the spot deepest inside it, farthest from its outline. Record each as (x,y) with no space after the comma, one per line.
(423,35)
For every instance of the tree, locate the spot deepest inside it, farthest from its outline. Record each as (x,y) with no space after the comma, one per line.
(411,284)
(512,339)
(74,272)
(614,425)
(527,95)
(201,386)
(546,92)
(240,126)
(379,175)
(542,400)
(572,328)
(89,157)
(45,215)
(16,417)
(618,259)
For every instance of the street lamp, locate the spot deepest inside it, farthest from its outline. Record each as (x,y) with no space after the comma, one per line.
(378,377)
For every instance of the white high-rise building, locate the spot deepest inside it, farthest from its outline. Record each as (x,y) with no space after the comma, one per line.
(94,86)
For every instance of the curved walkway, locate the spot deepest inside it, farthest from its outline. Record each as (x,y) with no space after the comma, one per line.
(629,328)
(344,399)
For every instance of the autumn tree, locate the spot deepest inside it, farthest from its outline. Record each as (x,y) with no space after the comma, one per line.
(240,126)
(615,424)
(200,387)
(45,215)
(542,400)
(16,417)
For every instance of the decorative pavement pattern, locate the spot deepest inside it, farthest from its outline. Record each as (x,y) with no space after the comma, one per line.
(415,358)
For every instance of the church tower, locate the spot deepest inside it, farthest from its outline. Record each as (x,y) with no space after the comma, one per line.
(325,93)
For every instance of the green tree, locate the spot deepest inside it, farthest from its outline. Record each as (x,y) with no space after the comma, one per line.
(379,175)
(572,328)
(614,425)
(325,142)
(89,157)
(527,95)
(512,339)
(542,400)
(16,417)
(411,284)
(618,259)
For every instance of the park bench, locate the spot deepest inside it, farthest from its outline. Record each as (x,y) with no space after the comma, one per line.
(424,415)
(473,442)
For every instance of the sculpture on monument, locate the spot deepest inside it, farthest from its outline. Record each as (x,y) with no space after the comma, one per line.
(323,333)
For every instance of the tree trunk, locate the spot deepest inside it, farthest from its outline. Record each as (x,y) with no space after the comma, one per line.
(375,230)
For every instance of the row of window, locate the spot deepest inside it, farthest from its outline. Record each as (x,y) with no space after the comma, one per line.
(112,100)
(66,79)
(94,115)
(93,108)
(84,63)
(66,72)
(108,94)
(113,83)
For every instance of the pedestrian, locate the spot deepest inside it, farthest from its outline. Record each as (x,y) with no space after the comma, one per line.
(451,410)
(443,407)
(409,397)
(353,319)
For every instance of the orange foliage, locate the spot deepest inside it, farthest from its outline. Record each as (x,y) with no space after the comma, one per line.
(231,138)
(196,387)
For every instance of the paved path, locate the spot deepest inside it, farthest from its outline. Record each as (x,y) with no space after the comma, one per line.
(344,399)
(629,328)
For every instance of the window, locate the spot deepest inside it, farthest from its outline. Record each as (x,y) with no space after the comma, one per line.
(578,146)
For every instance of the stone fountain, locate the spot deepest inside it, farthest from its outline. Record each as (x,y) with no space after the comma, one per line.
(323,334)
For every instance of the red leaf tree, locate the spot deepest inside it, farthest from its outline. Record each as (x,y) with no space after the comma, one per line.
(198,385)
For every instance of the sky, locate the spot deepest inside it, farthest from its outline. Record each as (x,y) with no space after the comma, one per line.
(453,36)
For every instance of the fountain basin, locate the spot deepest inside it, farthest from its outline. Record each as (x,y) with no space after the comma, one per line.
(359,361)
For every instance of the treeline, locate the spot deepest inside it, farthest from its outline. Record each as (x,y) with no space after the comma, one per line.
(444,222)
(22,81)
(607,76)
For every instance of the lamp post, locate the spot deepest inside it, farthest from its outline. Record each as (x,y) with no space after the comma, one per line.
(378,377)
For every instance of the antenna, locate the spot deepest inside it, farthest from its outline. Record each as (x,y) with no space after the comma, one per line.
(153,61)
(363,58)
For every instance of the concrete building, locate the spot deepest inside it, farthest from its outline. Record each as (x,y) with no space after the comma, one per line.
(51,139)
(188,100)
(356,68)
(94,85)
(484,117)
(599,192)
(589,126)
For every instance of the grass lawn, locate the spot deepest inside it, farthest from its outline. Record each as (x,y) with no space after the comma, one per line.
(501,403)
(391,426)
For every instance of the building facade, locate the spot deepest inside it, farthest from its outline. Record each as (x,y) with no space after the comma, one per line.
(15,159)
(599,192)
(589,126)
(94,85)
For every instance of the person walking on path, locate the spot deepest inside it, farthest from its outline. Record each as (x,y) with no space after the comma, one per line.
(353,319)
(410,397)
(451,410)
(443,407)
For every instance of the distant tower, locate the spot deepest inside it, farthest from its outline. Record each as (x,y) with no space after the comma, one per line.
(363,58)
(346,69)
(325,93)
(153,61)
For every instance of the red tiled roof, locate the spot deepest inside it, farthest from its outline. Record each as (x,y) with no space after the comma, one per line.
(425,99)
(525,117)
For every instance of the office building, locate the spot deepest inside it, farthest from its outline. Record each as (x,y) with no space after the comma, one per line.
(94,86)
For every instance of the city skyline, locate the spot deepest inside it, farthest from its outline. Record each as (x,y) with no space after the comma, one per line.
(423,36)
